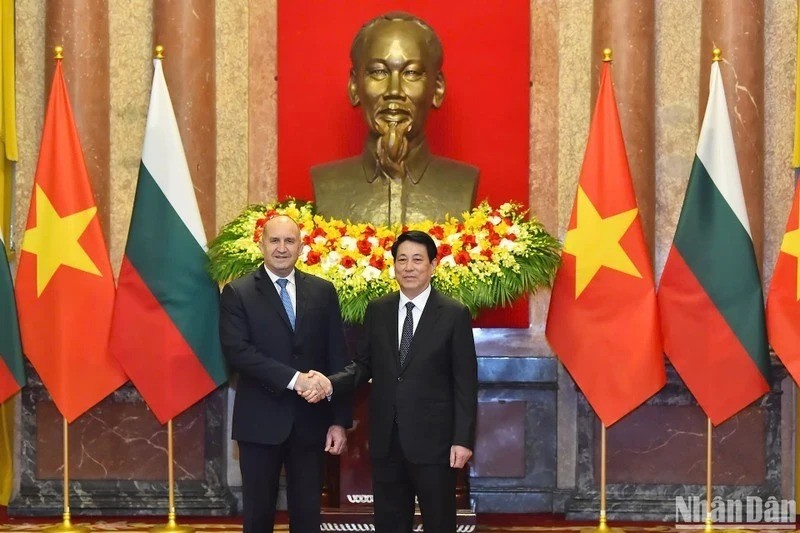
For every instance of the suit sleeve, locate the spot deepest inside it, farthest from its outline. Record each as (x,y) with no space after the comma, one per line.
(465,381)
(359,371)
(337,358)
(239,350)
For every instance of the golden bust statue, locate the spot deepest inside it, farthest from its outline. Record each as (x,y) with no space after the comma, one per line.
(396,77)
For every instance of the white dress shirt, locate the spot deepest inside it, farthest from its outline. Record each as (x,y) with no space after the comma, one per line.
(291,288)
(419,306)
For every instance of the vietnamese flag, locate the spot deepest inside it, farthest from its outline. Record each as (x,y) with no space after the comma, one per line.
(783,300)
(65,288)
(603,319)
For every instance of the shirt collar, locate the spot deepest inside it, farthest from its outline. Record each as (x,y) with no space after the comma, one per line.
(419,302)
(275,278)
(416,162)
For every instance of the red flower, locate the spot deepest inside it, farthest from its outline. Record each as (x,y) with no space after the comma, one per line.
(376,261)
(369,231)
(343,230)
(364,246)
(347,262)
(437,231)
(462,258)
(468,240)
(494,238)
(487,254)
(318,232)
(459,227)
(488,226)
(313,258)
(404,229)
(386,242)
(259,231)
(444,250)
(511,236)
(307,240)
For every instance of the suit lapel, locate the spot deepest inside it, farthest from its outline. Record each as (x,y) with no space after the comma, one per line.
(391,333)
(301,298)
(267,288)
(425,329)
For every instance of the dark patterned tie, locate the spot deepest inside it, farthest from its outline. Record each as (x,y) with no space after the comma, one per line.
(286,300)
(408,333)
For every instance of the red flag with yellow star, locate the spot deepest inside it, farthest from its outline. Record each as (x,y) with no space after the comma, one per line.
(603,319)
(65,288)
(783,300)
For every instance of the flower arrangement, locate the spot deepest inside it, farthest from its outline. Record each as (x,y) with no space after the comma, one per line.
(487,258)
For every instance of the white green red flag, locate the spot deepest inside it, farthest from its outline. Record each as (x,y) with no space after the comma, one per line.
(166,319)
(712,307)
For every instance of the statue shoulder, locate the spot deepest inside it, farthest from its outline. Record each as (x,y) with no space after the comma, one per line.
(446,168)
(336,173)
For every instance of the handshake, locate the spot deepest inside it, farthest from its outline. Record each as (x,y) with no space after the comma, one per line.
(313,386)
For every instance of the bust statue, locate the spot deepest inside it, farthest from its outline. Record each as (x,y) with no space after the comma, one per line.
(396,77)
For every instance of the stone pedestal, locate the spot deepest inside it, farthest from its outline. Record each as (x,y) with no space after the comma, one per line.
(118,458)
(658,453)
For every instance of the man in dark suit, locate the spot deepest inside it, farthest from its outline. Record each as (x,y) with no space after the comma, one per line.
(419,352)
(275,325)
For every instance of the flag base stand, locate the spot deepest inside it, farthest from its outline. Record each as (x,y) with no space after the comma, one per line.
(602,527)
(66,527)
(171,525)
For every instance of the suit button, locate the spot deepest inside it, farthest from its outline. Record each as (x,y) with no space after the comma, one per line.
(399,378)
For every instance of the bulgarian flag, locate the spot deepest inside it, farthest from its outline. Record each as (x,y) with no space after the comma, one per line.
(712,308)
(783,301)
(603,318)
(12,369)
(65,287)
(166,318)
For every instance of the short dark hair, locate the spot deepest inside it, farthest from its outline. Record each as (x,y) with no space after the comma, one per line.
(420,237)
(432,39)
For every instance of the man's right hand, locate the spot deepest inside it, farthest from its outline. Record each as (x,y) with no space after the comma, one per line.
(313,386)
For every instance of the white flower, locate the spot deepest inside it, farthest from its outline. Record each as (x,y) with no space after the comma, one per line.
(476,251)
(348,243)
(304,253)
(391,272)
(495,220)
(320,239)
(371,273)
(448,261)
(452,239)
(331,259)
(373,240)
(507,244)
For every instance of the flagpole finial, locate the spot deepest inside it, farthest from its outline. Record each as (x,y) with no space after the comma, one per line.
(717,55)
(159,52)
(58,52)
(606,55)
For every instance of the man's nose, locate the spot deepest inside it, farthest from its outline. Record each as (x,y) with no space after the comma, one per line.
(394,84)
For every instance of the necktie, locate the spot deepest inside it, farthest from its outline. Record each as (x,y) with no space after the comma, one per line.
(286,300)
(408,333)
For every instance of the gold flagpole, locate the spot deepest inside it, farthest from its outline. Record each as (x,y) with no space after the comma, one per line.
(709,523)
(603,525)
(171,524)
(66,525)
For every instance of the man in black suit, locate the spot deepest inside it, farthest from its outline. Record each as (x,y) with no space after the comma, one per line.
(275,326)
(419,352)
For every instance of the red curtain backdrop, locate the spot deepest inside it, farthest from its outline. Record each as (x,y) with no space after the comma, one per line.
(484,119)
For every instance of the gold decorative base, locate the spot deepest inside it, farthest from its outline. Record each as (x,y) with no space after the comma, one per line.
(602,528)
(171,525)
(67,527)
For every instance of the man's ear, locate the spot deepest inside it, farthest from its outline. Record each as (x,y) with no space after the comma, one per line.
(352,89)
(438,93)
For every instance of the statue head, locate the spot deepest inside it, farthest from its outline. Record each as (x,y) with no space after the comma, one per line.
(396,78)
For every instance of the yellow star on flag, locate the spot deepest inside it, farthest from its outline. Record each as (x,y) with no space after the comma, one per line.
(791,245)
(595,242)
(54,241)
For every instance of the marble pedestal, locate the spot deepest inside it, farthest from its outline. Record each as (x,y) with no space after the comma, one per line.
(118,458)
